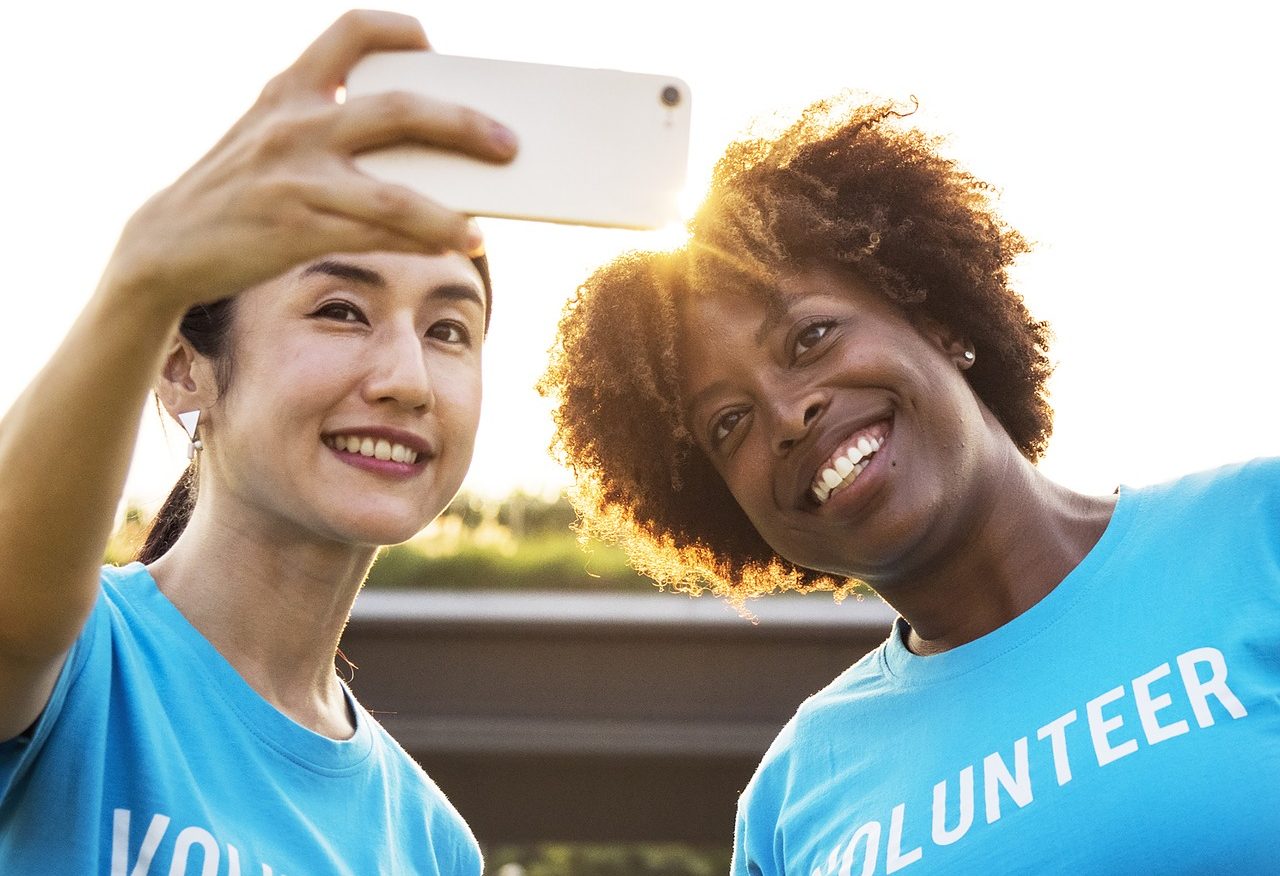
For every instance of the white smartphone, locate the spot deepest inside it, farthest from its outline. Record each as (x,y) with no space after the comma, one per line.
(597,147)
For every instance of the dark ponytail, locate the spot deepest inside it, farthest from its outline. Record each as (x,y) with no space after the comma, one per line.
(206,327)
(171,519)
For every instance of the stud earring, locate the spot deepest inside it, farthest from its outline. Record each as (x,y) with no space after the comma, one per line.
(969,357)
(190,421)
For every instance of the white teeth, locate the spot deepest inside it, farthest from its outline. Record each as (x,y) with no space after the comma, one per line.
(845,469)
(377,448)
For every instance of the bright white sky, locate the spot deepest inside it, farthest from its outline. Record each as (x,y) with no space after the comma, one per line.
(1133,141)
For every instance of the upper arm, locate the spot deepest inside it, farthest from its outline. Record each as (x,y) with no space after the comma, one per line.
(745,861)
(25,690)
(32,657)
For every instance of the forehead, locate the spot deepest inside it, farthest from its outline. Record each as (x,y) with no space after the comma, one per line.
(410,270)
(766,305)
(407,276)
(729,327)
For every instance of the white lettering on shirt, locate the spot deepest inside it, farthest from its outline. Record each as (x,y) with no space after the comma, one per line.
(1101,728)
(996,775)
(193,836)
(1149,705)
(894,859)
(1198,691)
(1017,783)
(1056,730)
(941,835)
(209,855)
(871,833)
(120,844)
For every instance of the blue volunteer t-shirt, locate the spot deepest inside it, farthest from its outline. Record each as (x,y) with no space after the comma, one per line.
(155,758)
(1127,723)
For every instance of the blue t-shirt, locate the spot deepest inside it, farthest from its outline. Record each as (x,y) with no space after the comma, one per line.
(155,758)
(1127,723)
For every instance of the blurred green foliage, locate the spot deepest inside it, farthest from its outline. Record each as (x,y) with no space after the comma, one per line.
(128,537)
(648,859)
(542,563)
(521,542)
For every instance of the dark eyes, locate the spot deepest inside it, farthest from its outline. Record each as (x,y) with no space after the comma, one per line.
(343,311)
(449,332)
(724,425)
(809,336)
(446,331)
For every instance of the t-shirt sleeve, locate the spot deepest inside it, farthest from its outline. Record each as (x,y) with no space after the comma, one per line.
(744,863)
(755,851)
(455,847)
(1238,507)
(17,754)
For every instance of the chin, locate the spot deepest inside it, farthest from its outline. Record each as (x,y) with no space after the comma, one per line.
(375,535)
(380,527)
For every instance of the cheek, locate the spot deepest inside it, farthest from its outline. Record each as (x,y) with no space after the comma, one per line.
(458,394)
(750,488)
(300,370)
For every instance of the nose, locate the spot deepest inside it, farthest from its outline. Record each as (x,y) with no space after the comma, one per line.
(399,372)
(794,419)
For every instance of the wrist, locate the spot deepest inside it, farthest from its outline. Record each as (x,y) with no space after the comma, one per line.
(129,297)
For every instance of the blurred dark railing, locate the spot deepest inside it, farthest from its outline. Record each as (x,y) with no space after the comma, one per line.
(596,718)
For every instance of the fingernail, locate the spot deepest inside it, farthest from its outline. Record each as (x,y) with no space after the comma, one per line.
(503,137)
(474,240)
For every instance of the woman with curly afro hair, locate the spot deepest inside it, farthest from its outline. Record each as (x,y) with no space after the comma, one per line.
(833,384)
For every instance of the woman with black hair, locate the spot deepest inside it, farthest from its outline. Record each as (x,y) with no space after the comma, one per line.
(833,382)
(318,334)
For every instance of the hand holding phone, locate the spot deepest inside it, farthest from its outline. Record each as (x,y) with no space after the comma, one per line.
(597,147)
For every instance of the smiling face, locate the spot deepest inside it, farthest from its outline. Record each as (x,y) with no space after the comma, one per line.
(354,398)
(847,433)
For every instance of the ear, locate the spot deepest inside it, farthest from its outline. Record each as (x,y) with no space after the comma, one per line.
(951,344)
(186,381)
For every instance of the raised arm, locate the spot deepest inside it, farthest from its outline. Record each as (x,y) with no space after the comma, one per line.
(277,190)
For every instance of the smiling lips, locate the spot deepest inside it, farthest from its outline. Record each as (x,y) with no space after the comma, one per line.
(375,448)
(848,461)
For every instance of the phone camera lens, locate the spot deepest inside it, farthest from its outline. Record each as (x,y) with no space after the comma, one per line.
(671,95)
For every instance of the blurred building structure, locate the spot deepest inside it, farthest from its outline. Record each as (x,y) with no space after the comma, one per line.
(600,717)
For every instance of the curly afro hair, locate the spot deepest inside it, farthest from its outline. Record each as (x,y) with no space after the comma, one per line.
(848,188)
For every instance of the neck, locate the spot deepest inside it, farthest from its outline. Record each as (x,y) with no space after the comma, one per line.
(1022,537)
(274,603)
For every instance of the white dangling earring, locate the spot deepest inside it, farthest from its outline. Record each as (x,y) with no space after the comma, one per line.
(190,421)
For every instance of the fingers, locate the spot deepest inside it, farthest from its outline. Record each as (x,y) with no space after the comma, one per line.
(281,187)
(324,65)
(408,220)
(400,117)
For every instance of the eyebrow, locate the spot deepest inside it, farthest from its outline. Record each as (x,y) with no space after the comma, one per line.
(346,271)
(777,306)
(695,403)
(369,277)
(459,292)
